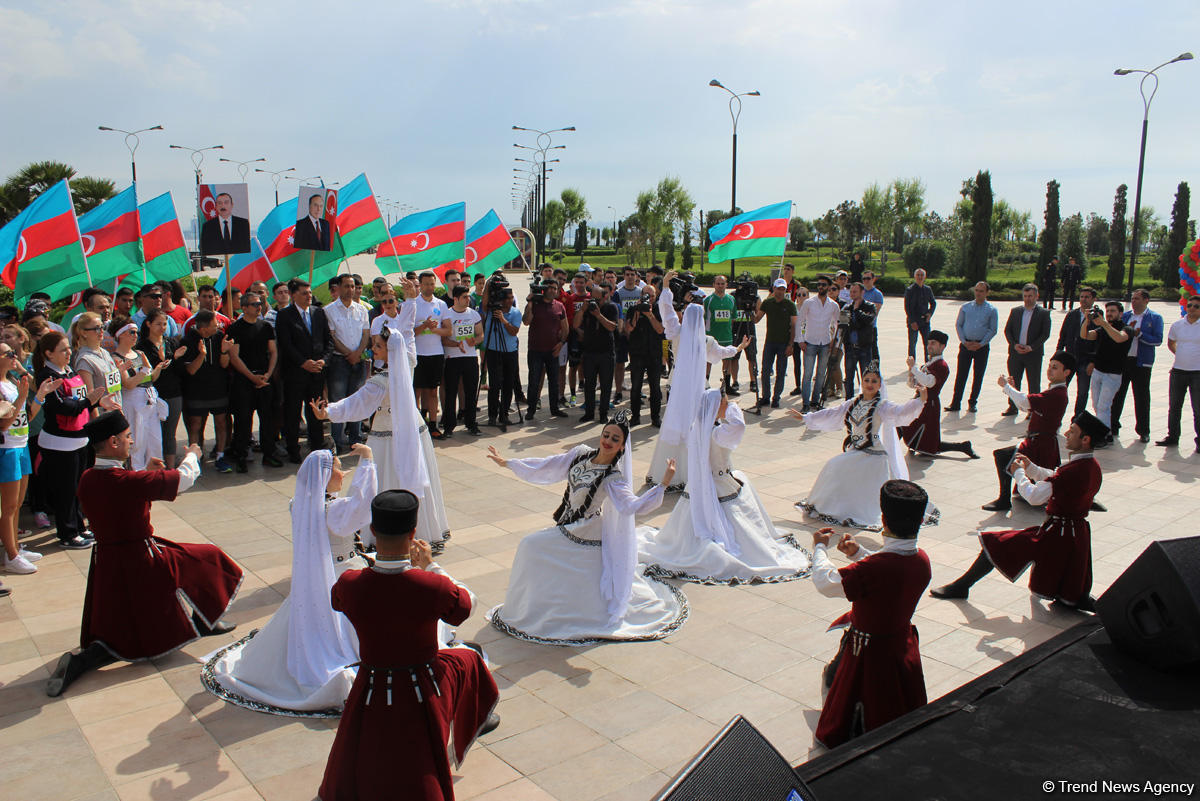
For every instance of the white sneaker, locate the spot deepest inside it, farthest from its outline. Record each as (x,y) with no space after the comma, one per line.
(32,556)
(19,564)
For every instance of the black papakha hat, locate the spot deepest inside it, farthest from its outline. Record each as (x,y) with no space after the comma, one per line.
(394,512)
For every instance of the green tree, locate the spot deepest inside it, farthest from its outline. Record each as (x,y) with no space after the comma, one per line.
(556,222)
(662,212)
(979,240)
(581,235)
(908,210)
(1147,223)
(799,233)
(1073,238)
(687,246)
(1116,240)
(1002,223)
(574,207)
(1096,238)
(23,187)
(1049,244)
(850,226)
(1177,239)
(878,218)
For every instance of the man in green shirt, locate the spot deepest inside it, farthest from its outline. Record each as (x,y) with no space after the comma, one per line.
(719,310)
(780,312)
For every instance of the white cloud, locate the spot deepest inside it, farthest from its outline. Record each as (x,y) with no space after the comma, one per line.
(34,50)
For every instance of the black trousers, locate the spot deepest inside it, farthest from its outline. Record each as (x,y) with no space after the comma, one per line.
(299,387)
(645,368)
(1049,296)
(60,472)
(466,370)
(1083,387)
(502,382)
(1030,366)
(597,367)
(1183,383)
(1139,377)
(856,360)
(543,362)
(246,400)
(968,359)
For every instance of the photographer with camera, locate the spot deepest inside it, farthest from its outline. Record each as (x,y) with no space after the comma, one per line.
(719,309)
(547,322)
(627,295)
(597,319)
(501,323)
(746,314)
(780,312)
(644,329)
(1111,349)
(860,336)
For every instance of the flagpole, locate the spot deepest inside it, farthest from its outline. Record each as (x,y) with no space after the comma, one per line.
(228,289)
(312,259)
(78,233)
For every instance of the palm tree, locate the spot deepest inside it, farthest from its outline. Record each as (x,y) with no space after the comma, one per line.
(90,192)
(23,187)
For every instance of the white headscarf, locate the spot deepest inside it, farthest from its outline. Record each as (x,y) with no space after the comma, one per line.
(618,547)
(318,637)
(708,519)
(890,440)
(408,459)
(688,381)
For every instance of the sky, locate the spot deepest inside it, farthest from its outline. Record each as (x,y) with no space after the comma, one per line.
(422,96)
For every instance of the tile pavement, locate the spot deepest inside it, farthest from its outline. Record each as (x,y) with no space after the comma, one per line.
(610,721)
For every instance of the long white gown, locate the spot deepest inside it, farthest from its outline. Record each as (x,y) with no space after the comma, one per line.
(253,672)
(145,411)
(555,589)
(763,554)
(846,492)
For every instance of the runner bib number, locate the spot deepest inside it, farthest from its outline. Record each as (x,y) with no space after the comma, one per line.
(721,315)
(112,381)
(464,332)
(20,426)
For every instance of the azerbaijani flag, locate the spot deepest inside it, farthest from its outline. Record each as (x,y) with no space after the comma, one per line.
(428,240)
(489,246)
(246,268)
(111,238)
(762,232)
(359,224)
(41,250)
(162,240)
(275,235)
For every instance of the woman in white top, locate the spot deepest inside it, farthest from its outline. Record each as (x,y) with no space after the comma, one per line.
(719,532)
(143,408)
(299,663)
(95,365)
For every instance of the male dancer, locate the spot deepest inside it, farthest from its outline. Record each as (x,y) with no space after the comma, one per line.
(146,596)
(876,676)
(924,435)
(431,702)
(1060,549)
(1046,411)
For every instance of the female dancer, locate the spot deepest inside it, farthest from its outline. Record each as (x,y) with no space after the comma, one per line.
(297,663)
(158,349)
(143,408)
(577,581)
(719,532)
(846,492)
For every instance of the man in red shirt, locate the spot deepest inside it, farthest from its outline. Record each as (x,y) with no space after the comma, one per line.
(207,298)
(546,320)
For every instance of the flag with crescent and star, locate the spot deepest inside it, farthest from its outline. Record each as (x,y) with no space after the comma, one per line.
(360,226)
(162,244)
(275,236)
(41,250)
(111,236)
(489,245)
(428,240)
(246,268)
(761,232)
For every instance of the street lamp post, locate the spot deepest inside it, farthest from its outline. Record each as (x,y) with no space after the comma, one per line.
(276,177)
(132,141)
(541,148)
(197,156)
(735,111)
(243,167)
(614,228)
(1146,101)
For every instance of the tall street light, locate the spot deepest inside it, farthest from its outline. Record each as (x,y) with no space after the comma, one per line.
(197,155)
(1146,101)
(543,143)
(614,228)
(276,177)
(132,141)
(243,167)
(735,111)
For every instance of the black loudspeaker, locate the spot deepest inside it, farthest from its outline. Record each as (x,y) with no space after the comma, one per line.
(1152,611)
(737,765)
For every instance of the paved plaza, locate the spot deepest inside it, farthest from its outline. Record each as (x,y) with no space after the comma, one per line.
(611,721)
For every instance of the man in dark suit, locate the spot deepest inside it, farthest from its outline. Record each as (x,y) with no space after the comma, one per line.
(1027,330)
(312,230)
(302,336)
(225,233)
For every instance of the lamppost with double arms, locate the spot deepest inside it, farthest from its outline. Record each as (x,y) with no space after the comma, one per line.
(541,148)
(735,111)
(132,141)
(276,177)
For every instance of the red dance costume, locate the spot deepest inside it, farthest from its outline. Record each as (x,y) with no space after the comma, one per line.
(1060,549)
(879,676)
(142,589)
(413,707)
(925,433)
(1046,411)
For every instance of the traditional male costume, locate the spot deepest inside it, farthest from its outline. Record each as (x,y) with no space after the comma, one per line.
(924,435)
(146,596)
(414,709)
(1060,549)
(876,676)
(1046,411)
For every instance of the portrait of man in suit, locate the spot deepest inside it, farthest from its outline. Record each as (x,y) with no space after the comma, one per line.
(312,230)
(227,232)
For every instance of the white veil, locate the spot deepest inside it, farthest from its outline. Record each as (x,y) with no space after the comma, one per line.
(687,383)
(618,543)
(891,439)
(407,457)
(708,519)
(318,637)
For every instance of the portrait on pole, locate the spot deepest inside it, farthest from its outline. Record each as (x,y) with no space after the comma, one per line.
(314,229)
(224,211)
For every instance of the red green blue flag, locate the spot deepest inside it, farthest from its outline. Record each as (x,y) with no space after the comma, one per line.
(489,245)
(275,235)
(246,268)
(360,226)
(162,240)
(762,232)
(428,240)
(41,250)
(111,236)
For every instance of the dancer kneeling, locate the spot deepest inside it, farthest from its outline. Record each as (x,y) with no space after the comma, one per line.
(578,581)
(1060,549)
(719,532)
(876,675)
(297,664)
(146,596)
(924,435)
(413,709)
(846,491)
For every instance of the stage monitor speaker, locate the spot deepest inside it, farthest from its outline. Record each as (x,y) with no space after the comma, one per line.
(1152,610)
(739,764)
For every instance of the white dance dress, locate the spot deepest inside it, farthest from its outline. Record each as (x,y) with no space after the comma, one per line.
(145,411)
(578,582)
(750,550)
(846,492)
(259,671)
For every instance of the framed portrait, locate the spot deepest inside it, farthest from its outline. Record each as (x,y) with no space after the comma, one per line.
(318,210)
(224,212)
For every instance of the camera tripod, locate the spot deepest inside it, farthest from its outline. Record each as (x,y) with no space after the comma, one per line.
(745,327)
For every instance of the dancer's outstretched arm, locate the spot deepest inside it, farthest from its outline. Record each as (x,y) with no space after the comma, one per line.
(365,401)
(539,470)
(628,503)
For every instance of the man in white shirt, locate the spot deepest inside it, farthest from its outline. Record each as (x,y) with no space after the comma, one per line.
(347,368)
(462,362)
(1183,339)
(431,357)
(817,320)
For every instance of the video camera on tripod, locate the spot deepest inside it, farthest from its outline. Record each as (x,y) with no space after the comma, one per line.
(681,286)
(745,294)
(497,290)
